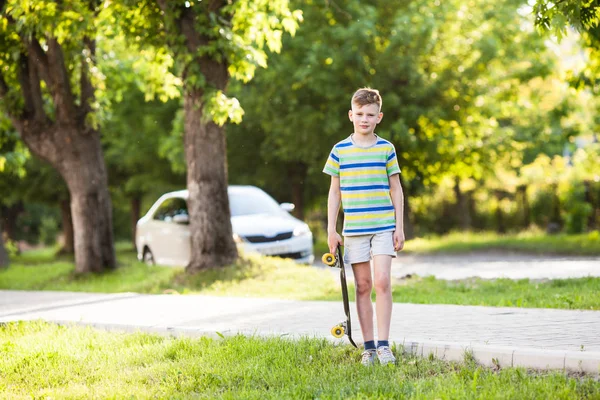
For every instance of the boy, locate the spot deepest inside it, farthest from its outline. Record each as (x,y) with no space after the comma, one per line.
(365,177)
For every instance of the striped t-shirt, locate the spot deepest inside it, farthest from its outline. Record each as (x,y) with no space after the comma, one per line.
(364,183)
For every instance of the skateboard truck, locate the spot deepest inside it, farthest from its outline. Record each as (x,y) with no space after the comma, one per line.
(344,327)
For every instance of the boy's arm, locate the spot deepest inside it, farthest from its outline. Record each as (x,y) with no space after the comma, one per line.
(333,208)
(398,202)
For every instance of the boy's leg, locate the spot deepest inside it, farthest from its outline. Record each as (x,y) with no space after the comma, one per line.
(364,307)
(383,251)
(383,290)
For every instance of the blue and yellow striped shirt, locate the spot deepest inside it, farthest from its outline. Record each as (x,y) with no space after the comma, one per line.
(364,181)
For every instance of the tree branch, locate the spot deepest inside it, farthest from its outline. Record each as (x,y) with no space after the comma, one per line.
(61,87)
(87,90)
(23,75)
(36,92)
(40,58)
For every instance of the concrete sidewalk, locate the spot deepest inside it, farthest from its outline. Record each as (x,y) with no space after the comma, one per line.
(533,338)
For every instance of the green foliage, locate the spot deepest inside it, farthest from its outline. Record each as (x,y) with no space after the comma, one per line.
(450,106)
(48,230)
(576,208)
(557,15)
(236,34)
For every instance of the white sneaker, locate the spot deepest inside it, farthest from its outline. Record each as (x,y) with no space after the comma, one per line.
(368,358)
(385,355)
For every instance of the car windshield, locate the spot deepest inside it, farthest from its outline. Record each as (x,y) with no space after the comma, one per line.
(247,202)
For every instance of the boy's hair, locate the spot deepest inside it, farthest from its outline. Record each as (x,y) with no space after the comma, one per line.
(366,96)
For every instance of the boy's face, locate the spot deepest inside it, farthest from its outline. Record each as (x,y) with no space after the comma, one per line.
(365,118)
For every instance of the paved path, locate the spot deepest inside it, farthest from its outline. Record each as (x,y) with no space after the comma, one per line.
(535,338)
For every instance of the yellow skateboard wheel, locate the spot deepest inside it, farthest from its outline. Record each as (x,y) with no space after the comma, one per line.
(337,331)
(328,259)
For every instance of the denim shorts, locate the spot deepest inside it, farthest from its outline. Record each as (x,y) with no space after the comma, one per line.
(363,248)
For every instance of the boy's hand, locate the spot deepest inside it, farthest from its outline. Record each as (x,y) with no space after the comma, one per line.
(398,239)
(333,241)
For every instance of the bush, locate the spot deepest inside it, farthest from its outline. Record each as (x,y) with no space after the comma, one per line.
(48,230)
(577,210)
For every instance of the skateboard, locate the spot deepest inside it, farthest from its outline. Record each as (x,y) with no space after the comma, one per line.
(344,327)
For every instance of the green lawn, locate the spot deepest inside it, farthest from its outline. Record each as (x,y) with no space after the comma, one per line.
(252,275)
(40,360)
(256,276)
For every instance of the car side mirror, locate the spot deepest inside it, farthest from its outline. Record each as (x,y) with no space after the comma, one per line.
(289,207)
(181,219)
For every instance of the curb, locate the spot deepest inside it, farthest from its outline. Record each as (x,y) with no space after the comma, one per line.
(506,357)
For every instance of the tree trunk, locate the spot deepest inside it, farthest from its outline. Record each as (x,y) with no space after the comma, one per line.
(67,227)
(212,242)
(499,216)
(297,175)
(4,261)
(81,164)
(462,207)
(136,206)
(211,234)
(10,215)
(524,200)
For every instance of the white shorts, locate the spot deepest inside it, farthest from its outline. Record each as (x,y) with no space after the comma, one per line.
(358,249)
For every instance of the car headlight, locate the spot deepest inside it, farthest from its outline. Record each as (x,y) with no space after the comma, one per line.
(302,230)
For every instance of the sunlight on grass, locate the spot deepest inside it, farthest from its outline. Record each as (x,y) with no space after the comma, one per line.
(42,360)
(252,276)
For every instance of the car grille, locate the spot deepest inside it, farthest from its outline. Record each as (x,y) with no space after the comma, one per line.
(264,239)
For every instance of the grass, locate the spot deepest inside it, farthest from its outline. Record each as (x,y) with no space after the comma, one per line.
(255,276)
(252,275)
(40,360)
(578,293)
(531,241)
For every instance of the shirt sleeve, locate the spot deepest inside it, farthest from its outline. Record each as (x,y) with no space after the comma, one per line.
(332,166)
(392,162)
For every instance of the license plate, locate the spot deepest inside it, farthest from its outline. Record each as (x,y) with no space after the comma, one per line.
(273,250)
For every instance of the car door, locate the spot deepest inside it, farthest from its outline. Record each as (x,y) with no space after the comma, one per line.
(180,232)
(166,241)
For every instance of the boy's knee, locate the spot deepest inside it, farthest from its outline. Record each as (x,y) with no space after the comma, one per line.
(364,286)
(382,285)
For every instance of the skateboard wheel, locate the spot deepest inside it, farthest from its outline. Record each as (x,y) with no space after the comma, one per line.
(337,331)
(328,259)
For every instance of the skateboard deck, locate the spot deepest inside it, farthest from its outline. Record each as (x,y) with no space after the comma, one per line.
(344,327)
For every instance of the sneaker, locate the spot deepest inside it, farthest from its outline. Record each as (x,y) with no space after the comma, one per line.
(368,358)
(385,355)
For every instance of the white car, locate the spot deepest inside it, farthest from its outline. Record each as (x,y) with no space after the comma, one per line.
(259,224)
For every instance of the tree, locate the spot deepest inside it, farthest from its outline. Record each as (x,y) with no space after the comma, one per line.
(47,88)
(556,15)
(442,71)
(211,41)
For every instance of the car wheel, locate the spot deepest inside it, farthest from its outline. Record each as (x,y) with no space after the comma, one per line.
(148,257)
